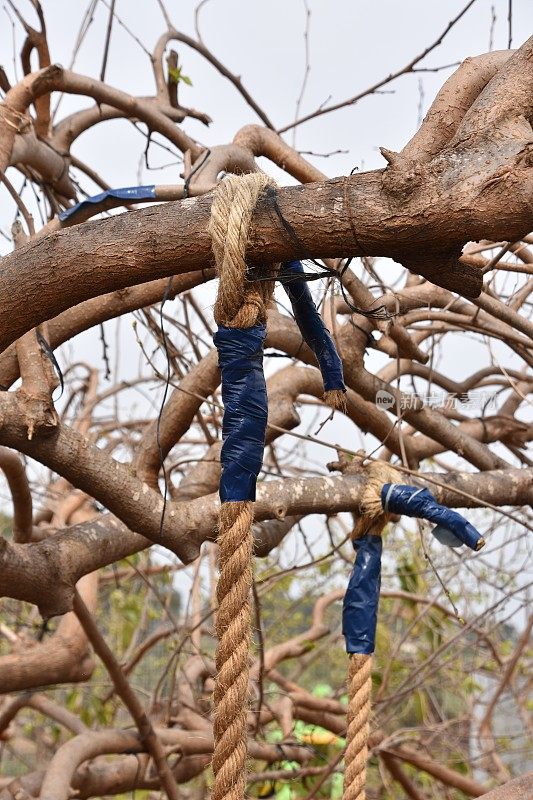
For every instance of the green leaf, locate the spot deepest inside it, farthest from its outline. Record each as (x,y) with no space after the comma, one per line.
(176,76)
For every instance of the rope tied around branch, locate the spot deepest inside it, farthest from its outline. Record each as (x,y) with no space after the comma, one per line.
(383,498)
(240,303)
(240,312)
(359,621)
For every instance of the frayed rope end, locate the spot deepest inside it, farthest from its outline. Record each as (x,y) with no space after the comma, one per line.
(336,399)
(373,518)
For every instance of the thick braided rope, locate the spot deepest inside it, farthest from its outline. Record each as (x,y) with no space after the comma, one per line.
(233,627)
(240,304)
(359,691)
(372,520)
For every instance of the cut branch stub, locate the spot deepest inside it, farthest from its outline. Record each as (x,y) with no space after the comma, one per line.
(446,270)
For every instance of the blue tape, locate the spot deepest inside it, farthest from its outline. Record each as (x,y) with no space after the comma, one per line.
(360,605)
(240,357)
(399,499)
(126,193)
(312,327)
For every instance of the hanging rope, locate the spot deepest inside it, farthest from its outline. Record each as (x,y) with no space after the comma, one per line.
(359,621)
(359,691)
(383,497)
(240,312)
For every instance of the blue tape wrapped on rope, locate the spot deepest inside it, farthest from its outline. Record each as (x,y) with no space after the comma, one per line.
(126,193)
(399,499)
(312,327)
(240,357)
(360,605)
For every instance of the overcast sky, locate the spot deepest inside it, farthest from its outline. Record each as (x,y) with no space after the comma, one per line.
(352,44)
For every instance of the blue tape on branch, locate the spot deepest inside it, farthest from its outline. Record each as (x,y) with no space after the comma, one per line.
(399,499)
(240,357)
(360,606)
(128,193)
(312,327)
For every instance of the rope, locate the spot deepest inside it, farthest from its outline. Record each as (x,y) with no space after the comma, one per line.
(233,628)
(372,518)
(371,522)
(240,304)
(359,691)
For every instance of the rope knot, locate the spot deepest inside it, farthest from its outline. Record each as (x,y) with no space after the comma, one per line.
(240,303)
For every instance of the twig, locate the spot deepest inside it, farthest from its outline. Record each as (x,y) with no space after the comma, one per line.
(20,204)
(197,19)
(492,263)
(128,696)
(107,40)
(316,788)
(165,13)
(234,79)
(403,71)
(14,43)
(492,25)
(485,724)
(436,69)
(421,97)
(129,31)
(86,23)
(307,68)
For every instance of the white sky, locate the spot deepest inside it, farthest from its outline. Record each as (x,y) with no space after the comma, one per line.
(352,44)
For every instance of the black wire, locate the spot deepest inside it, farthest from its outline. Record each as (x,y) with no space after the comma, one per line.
(163,401)
(47,350)
(271,354)
(380,313)
(105,354)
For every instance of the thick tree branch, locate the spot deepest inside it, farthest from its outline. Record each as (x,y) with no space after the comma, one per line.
(13,468)
(13,110)
(517,789)
(323,218)
(66,557)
